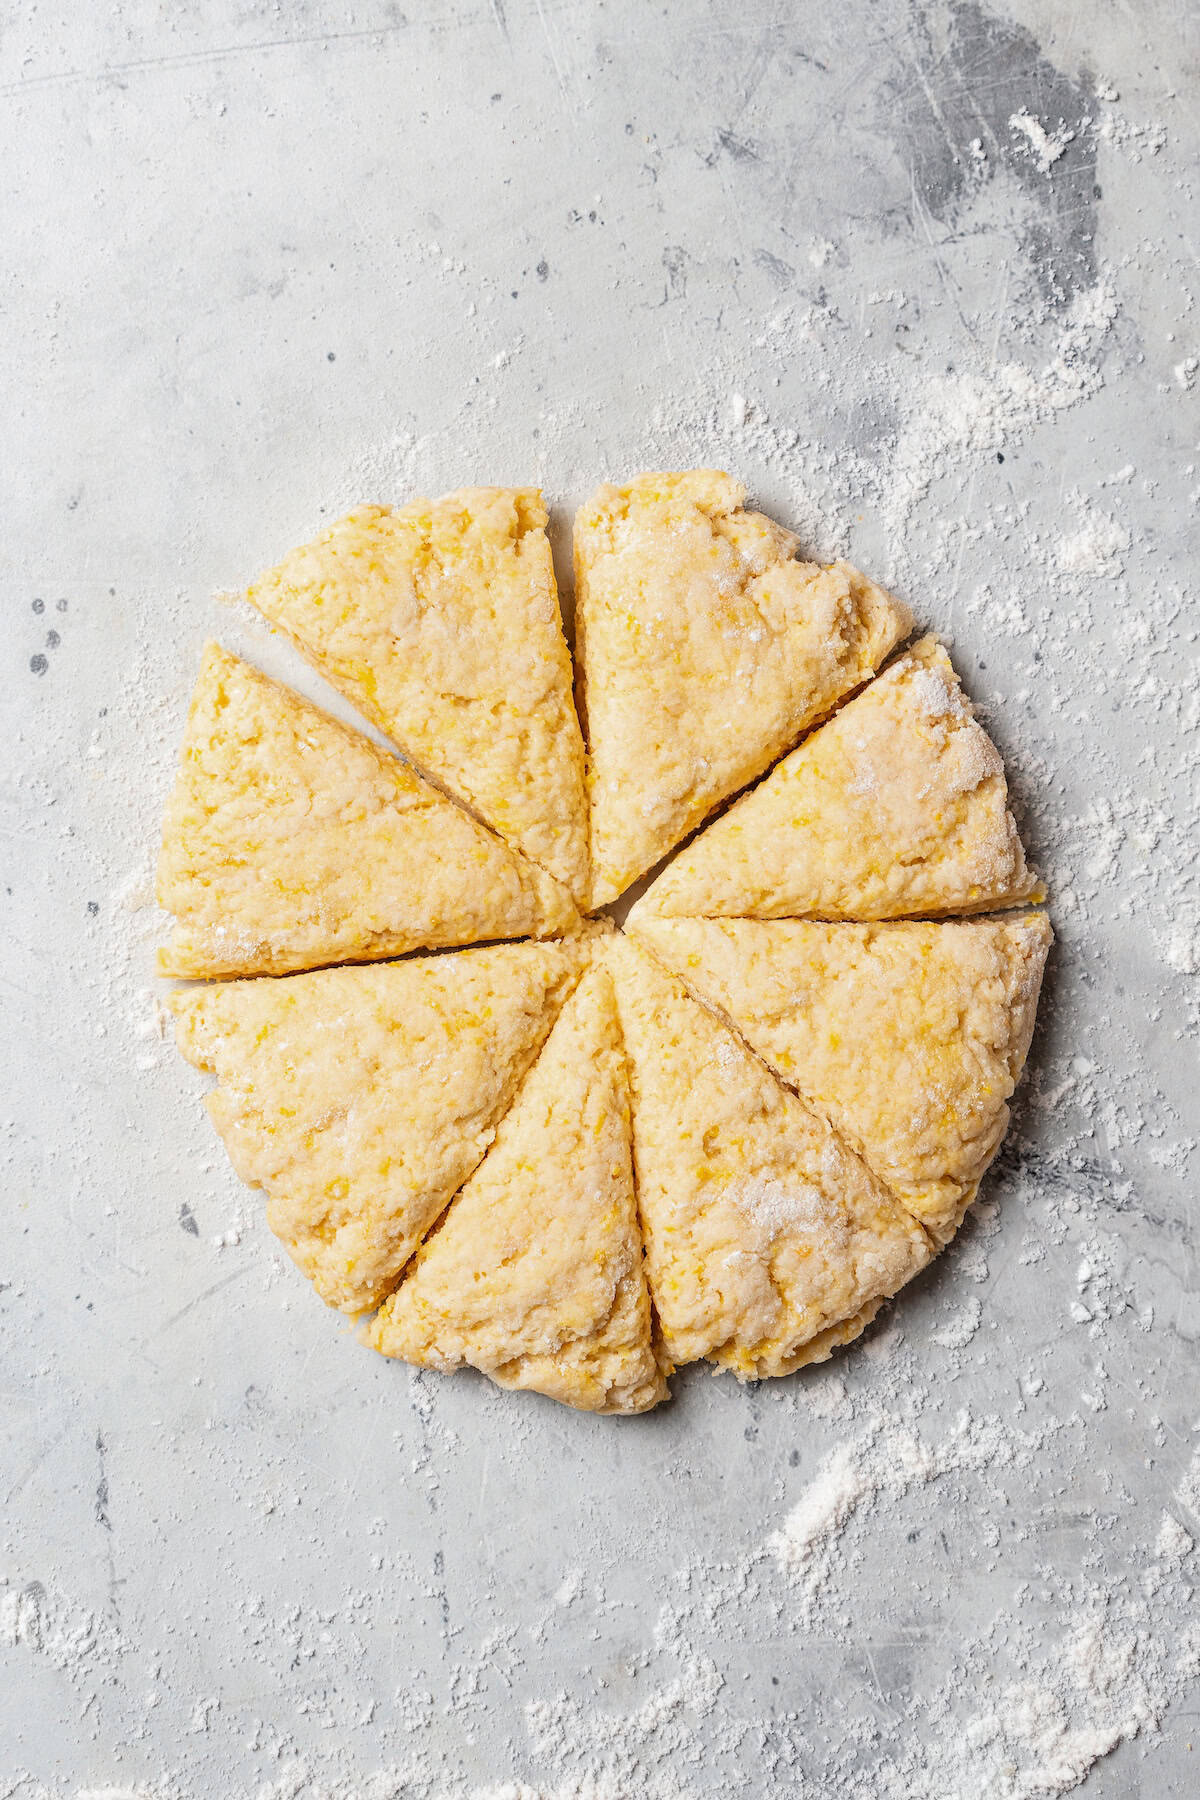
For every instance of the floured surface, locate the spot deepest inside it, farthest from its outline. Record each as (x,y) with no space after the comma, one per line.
(705,648)
(381,1581)
(909,1037)
(289,842)
(897,806)
(535,1276)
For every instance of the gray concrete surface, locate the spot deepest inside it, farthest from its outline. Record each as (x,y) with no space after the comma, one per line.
(923,277)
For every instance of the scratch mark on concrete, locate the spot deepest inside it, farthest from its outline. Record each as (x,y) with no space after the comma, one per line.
(44,1451)
(196,1300)
(558,74)
(187,59)
(921,212)
(741,149)
(102,1517)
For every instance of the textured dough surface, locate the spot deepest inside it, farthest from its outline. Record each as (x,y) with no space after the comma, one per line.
(768,1242)
(909,1037)
(705,649)
(535,1275)
(290,841)
(897,805)
(440,621)
(362,1098)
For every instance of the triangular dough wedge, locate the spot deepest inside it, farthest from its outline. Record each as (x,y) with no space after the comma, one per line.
(535,1275)
(290,841)
(909,1037)
(768,1242)
(440,621)
(362,1098)
(897,806)
(705,649)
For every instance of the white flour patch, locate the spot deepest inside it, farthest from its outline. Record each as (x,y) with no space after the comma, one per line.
(961,1327)
(1097,547)
(773,1206)
(1044,146)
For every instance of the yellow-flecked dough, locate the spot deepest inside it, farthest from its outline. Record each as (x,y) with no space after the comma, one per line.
(361,1098)
(908,1036)
(897,806)
(290,841)
(535,1275)
(705,648)
(768,1242)
(440,620)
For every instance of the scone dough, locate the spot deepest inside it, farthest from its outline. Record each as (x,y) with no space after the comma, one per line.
(290,841)
(535,1275)
(705,649)
(768,1241)
(897,806)
(440,621)
(909,1037)
(571,1157)
(362,1098)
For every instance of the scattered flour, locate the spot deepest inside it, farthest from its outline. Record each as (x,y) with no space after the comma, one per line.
(773,1206)
(1044,146)
(961,1327)
(1098,547)
(1073,1651)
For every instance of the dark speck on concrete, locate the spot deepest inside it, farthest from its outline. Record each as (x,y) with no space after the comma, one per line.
(39,606)
(52,640)
(674,260)
(187,1220)
(330,356)
(93,907)
(740,149)
(793,1459)
(781,274)
(999,456)
(38,664)
(543,269)
(102,1517)
(60,606)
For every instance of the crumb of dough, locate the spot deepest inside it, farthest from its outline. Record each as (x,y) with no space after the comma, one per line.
(908,1036)
(440,621)
(290,841)
(705,648)
(768,1242)
(361,1098)
(535,1275)
(898,805)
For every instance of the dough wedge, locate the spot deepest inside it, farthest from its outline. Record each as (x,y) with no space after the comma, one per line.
(440,621)
(361,1098)
(908,1036)
(535,1275)
(704,648)
(898,805)
(290,841)
(768,1242)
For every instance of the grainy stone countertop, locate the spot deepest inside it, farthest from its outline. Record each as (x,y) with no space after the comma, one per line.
(924,276)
